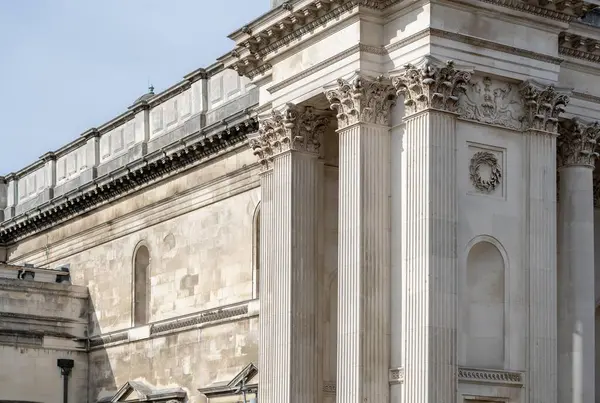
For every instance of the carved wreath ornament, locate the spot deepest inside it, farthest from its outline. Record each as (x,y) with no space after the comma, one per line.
(485,158)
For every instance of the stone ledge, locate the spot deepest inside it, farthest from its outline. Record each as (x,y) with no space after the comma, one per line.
(209,317)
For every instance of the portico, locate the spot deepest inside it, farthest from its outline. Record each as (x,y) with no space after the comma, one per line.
(459,277)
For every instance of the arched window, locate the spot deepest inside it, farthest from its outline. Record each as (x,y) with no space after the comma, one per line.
(256,252)
(141,285)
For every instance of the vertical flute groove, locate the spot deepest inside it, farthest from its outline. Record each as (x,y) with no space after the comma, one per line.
(288,355)
(430,263)
(540,149)
(364,265)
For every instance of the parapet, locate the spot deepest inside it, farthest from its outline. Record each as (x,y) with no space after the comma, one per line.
(204,100)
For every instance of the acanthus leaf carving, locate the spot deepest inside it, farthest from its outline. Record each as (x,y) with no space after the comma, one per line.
(577,143)
(543,105)
(431,85)
(362,99)
(492,103)
(294,129)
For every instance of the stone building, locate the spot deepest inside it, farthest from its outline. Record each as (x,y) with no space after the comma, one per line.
(362,201)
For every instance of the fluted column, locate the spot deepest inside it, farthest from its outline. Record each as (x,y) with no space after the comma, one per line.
(543,105)
(363,107)
(430,267)
(288,147)
(577,146)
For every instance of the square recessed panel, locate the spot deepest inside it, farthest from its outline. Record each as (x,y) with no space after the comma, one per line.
(486,170)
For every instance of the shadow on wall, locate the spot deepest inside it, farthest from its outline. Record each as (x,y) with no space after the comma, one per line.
(101,379)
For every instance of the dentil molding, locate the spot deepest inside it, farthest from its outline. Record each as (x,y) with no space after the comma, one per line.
(578,142)
(430,84)
(294,129)
(492,102)
(362,99)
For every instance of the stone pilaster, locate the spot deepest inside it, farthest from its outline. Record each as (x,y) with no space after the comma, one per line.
(363,109)
(49,174)
(430,267)
(288,148)
(577,152)
(542,107)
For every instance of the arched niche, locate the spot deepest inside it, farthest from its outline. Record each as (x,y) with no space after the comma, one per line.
(484,305)
(141,285)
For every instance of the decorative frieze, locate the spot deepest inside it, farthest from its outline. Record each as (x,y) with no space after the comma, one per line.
(488,376)
(294,129)
(362,99)
(396,376)
(491,102)
(431,85)
(578,142)
(542,106)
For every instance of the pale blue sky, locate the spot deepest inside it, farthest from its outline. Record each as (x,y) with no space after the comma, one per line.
(68,65)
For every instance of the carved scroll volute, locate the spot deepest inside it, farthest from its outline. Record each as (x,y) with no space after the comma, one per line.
(362,99)
(294,129)
(430,84)
(577,143)
(542,106)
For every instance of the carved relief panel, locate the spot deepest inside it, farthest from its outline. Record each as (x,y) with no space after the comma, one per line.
(486,170)
(492,102)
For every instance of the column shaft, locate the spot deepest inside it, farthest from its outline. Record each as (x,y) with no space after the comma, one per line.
(288,290)
(364,264)
(576,350)
(268,287)
(429,258)
(540,260)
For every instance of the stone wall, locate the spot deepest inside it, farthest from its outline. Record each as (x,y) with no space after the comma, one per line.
(190,359)
(39,324)
(198,228)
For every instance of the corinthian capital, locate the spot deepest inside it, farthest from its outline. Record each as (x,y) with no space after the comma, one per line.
(431,85)
(362,99)
(542,106)
(578,142)
(294,129)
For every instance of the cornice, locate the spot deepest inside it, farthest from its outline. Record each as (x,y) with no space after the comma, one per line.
(249,56)
(579,47)
(166,161)
(561,10)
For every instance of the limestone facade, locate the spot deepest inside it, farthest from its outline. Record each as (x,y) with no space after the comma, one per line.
(363,201)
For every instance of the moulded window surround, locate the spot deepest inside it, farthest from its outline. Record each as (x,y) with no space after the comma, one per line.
(141,285)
